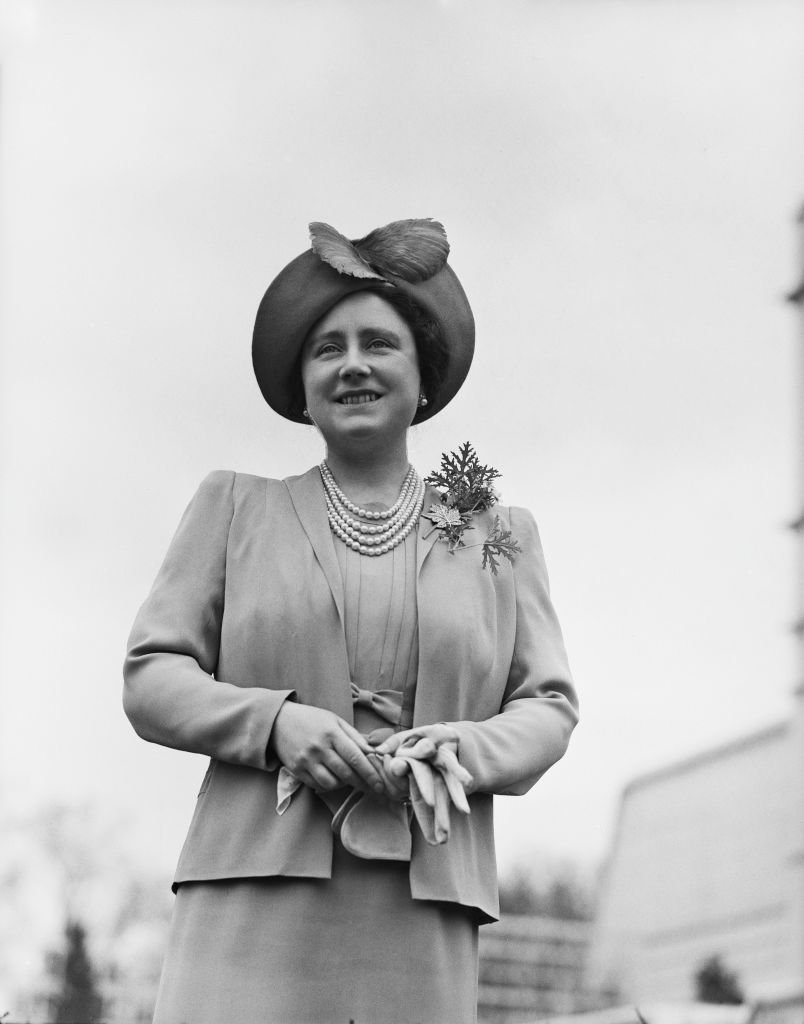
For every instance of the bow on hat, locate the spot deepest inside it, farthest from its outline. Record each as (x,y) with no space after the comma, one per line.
(413,250)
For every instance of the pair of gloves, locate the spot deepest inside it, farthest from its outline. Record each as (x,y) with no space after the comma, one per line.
(436,783)
(378,828)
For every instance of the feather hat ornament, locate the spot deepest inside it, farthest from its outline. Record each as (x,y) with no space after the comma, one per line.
(413,250)
(408,255)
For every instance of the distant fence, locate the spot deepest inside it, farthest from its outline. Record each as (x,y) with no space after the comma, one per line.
(532,966)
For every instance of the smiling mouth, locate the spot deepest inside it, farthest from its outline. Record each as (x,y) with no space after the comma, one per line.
(359,399)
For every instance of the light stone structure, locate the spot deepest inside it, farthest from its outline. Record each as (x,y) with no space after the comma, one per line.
(708,856)
(703,865)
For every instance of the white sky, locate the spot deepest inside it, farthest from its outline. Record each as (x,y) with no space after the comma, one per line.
(619,182)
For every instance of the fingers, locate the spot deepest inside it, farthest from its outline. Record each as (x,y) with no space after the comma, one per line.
(392,743)
(378,736)
(326,752)
(446,760)
(398,766)
(434,735)
(355,736)
(321,749)
(396,786)
(352,748)
(319,778)
(424,748)
(406,739)
(410,743)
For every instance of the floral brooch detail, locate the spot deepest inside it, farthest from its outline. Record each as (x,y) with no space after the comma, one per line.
(466,488)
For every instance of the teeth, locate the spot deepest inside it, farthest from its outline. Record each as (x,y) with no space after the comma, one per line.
(358,399)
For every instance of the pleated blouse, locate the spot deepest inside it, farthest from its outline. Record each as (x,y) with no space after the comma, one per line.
(381,626)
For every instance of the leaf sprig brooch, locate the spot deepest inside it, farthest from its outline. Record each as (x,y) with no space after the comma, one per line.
(466,488)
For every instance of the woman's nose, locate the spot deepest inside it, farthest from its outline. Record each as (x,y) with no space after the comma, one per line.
(354,363)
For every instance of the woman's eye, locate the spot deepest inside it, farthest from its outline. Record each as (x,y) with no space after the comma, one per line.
(326,349)
(379,343)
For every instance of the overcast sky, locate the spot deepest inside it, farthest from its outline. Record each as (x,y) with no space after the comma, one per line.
(619,182)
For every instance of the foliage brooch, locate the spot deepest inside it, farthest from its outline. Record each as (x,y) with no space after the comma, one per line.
(466,488)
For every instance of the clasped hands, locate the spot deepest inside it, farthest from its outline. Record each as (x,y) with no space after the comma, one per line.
(426,758)
(417,765)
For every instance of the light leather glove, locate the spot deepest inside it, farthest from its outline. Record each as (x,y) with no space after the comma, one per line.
(437,780)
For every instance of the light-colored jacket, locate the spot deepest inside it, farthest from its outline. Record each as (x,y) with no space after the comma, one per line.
(247,610)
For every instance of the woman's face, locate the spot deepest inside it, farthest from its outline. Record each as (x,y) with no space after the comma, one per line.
(360,372)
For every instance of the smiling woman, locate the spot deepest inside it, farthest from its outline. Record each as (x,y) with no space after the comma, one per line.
(361,379)
(431,348)
(361,690)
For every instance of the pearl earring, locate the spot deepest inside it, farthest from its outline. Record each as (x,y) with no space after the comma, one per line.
(306,414)
(422,401)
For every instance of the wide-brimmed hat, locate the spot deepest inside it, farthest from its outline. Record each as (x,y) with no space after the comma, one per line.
(410,255)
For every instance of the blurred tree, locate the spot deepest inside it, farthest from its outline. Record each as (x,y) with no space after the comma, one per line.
(76,863)
(554,892)
(715,983)
(76,996)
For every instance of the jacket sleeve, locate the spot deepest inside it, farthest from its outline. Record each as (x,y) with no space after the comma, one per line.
(508,753)
(170,693)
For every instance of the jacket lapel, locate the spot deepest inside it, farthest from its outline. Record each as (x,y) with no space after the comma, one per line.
(307,495)
(427,533)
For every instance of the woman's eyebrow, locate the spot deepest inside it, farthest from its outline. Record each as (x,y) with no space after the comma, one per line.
(326,335)
(335,334)
(386,332)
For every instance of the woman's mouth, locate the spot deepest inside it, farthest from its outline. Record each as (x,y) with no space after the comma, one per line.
(361,398)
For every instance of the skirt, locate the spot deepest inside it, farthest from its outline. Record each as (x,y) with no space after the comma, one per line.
(353,949)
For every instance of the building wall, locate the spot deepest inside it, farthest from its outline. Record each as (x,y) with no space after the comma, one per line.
(701,866)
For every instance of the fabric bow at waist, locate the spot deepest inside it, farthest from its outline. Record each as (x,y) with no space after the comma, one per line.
(385,703)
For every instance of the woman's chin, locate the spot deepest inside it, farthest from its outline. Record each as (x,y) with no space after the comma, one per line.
(359,430)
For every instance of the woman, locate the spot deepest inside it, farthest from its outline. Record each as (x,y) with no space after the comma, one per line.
(348,674)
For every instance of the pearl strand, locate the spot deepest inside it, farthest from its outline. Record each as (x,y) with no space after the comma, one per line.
(383,549)
(368,539)
(402,504)
(372,535)
(332,487)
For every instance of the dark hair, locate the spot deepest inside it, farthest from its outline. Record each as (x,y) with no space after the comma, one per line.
(431,348)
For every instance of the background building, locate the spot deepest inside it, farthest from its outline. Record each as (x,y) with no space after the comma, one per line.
(708,855)
(703,864)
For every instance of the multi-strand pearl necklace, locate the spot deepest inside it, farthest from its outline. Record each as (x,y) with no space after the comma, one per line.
(378,532)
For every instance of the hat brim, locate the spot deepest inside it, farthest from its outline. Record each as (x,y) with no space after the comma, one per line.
(308,288)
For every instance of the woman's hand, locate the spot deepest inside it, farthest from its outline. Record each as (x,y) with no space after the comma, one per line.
(404,752)
(422,743)
(396,786)
(427,758)
(322,750)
